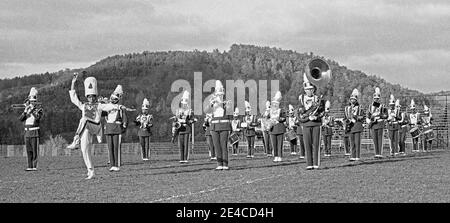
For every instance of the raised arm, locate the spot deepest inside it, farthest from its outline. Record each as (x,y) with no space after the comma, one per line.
(73,94)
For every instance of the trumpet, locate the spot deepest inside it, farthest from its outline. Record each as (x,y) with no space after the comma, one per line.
(22,106)
(105,100)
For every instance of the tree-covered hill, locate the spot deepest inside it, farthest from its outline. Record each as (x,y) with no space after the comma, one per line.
(150,75)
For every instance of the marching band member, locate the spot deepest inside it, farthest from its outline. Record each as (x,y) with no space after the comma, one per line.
(375,119)
(403,123)
(393,126)
(91,112)
(427,131)
(209,142)
(414,123)
(327,129)
(144,121)
(265,130)
(31,117)
(291,125)
(220,126)
(185,118)
(299,131)
(354,116)
(311,122)
(277,118)
(235,126)
(249,123)
(116,123)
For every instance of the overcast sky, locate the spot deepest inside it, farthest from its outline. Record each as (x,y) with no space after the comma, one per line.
(404,41)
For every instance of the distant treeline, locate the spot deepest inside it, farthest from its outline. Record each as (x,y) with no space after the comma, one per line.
(150,75)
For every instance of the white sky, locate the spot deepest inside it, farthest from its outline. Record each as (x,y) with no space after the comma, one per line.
(404,41)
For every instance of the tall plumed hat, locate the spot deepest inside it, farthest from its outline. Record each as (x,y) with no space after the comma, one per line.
(118,92)
(377,93)
(355,94)
(185,98)
(33,94)
(90,86)
(306,83)
(426,110)
(145,104)
(392,100)
(412,105)
(327,106)
(236,112)
(219,90)
(291,108)
(277,97)
(248,107)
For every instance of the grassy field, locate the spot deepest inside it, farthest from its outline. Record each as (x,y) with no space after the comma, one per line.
(418,177)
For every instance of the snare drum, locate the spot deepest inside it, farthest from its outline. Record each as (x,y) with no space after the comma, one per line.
(233,138)
(291,135)
(428,133)
(415,132)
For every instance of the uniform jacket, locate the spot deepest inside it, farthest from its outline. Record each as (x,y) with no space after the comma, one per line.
(144,121)
(116,121)
(264,118)
(279,117)
(327,125)
(236,124)
(298,123)
(380,112)
(250,122)
(393,123)
(306,103)
(92,112)
(414,119)
(186,118)
(426,120)
(220,121)
(32,120)
(354,112)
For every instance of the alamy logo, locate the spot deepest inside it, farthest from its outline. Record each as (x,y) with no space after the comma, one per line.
(257,94)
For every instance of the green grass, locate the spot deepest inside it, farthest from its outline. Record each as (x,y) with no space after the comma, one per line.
(418,177)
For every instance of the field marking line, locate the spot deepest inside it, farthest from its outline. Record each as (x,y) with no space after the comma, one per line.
(218,188)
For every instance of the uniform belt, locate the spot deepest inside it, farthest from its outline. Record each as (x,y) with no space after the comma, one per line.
(31,128)
(219,121)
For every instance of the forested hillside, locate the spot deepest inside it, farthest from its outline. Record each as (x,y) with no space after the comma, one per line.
(150,74)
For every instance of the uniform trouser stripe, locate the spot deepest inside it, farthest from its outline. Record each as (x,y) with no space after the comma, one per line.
(113,147)
(293,144)
(86,149)
(393,136)
(355,144)
(145,146)
(401,140)
(377,135)
(210,144)
(235,147)
(311,137)
(347,144)
(426,143)
(250,145)
(415,142)
(327,143)
(277,144)
(32,146)
(220,140)
(301,145)
(267,144)
(183,144)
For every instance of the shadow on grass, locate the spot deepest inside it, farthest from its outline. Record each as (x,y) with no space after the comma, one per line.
(383,160)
